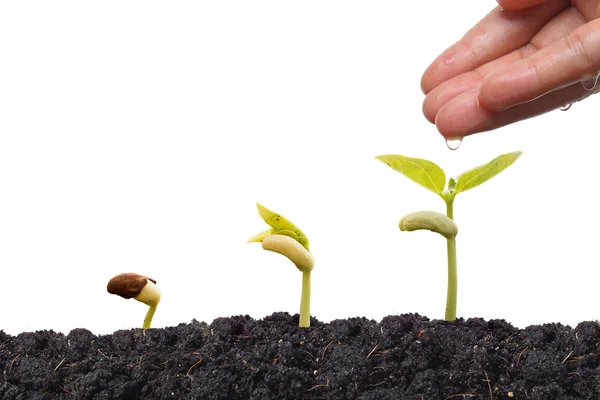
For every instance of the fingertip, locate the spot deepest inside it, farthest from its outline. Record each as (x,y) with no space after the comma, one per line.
(429,109)
(446,126)
(460,117)
(439,71)
(424,88)
(447,91)
(427,80)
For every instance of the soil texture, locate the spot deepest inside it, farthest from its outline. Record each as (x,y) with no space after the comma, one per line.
(404,357)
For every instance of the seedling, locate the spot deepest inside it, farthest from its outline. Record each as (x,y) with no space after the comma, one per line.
(432,177)
(286,239)
(141,288)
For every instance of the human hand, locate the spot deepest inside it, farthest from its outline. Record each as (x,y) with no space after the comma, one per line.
(525,58)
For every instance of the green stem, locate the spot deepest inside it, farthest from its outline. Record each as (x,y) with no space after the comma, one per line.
(305,301)
(148,319)
(450,209)
(452,282)
(452,274)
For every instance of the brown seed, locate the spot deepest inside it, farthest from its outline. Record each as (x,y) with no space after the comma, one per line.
(127,285)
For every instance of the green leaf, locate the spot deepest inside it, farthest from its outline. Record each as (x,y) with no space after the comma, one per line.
(281,225)
(289,233)
(423,172)
(476,176)
(260,236)
(451,185)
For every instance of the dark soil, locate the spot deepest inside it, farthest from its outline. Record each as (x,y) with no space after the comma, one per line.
(404,357)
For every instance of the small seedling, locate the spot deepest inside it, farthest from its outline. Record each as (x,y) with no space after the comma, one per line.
(286,239)
(141,288)
(432,177)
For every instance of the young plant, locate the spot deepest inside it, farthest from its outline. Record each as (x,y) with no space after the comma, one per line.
(141,288)
(286,239)
(432,177)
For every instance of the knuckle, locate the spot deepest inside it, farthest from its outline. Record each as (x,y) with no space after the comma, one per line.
(580,48)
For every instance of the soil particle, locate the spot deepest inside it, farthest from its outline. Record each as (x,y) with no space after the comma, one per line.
(402,357)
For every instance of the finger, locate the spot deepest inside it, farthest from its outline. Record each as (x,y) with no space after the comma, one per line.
(447,91)
(494,36)
(589,8)
(460,84)
(464,115)
(513,5)
(568,60)
(561,25)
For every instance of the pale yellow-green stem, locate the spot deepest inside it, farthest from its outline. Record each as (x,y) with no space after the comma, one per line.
(149,316)
(305,301)
(445,226)
(303,260)
(452,282)
(452,270)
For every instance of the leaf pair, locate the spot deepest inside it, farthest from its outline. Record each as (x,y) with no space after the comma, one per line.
(280,226)
(432,177)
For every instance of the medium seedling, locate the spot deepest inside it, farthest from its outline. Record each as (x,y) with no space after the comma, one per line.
(432,177)
(139,287)
(286,239)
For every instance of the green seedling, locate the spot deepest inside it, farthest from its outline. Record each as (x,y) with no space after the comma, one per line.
(432,177)
(138,287)
(286,239)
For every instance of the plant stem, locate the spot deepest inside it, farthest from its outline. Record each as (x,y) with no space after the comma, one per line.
(450,209)
(452,274)
(452,282)
(305,301)
(148,319)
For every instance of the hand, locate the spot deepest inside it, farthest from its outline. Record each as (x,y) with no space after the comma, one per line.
(525,58)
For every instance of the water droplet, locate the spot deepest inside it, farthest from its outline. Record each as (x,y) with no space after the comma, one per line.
(590,83)
(565,106)
(453,143)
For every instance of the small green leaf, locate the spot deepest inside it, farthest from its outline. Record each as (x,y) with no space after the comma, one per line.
(451,184)
(423,172)
(476,176)
(281,225)
(289,233)
(260,236)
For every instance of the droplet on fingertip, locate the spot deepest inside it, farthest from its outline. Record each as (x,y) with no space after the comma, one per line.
(565,106)
(589,84)
(453,143)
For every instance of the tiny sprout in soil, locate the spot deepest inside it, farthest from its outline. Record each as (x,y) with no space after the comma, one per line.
(139,287)
(432,177)
(286,239)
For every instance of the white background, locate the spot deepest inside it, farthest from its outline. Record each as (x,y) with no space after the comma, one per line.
(138,136)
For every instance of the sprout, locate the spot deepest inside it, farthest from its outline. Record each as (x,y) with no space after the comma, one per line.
(286,239)
(432,177)
(139,287)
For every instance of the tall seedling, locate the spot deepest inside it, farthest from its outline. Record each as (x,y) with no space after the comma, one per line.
(432,177)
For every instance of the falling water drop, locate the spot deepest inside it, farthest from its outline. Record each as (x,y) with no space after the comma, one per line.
(565,106)
(590,83)
(453,143)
